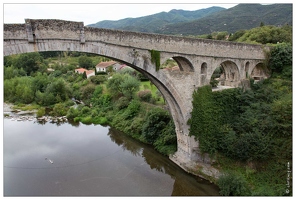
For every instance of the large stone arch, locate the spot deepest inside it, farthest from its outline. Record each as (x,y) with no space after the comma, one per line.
(139,60)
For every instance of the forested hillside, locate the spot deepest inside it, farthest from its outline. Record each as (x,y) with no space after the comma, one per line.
(155,23)
(240,17)
(206,21)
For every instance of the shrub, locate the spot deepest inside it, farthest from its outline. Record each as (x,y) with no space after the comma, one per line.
(72,113)
(233,185)
(132,109)
(145,95)
(122,103)
(40,112)
(59,110)
(155,121)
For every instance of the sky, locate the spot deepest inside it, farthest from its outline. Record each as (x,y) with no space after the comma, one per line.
(90,12)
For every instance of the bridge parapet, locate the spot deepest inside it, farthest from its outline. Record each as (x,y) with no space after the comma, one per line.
(60,29)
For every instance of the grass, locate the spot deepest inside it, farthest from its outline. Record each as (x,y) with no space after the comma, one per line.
(26,107)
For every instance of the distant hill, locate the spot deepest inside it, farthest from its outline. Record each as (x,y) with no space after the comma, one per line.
(155,23)
(205,21)
(242,16)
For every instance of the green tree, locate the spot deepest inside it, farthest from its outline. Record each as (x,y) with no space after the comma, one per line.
(129,86)
(85,62)
(280,56)
(30,62)
(113,84)
(154,123)
(87,92)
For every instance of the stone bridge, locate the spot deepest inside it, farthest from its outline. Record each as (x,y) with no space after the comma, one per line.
(197,60)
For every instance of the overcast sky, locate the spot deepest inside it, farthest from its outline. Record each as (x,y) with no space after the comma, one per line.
(92,13)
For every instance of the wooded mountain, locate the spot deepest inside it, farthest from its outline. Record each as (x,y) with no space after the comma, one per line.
(205,21)
(156,22)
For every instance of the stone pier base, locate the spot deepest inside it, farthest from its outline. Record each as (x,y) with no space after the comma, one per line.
(197,168)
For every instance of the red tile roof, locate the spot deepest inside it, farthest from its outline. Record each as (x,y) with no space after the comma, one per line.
(105,64)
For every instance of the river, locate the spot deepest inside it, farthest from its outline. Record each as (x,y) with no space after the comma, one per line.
(88,160)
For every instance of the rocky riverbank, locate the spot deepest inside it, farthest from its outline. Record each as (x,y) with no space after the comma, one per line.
(19,115)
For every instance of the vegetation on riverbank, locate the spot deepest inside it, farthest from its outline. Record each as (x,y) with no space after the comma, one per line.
(249,133)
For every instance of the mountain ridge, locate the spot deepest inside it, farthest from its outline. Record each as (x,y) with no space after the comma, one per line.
(205,21)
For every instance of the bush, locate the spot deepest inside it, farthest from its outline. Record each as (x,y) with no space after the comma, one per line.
(122,103)
(40,112)
(72,113)
(132,109)
(59,110)
(145,95)
(233,185)
(155,121)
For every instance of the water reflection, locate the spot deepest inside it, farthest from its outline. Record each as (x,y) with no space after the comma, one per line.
(88,160)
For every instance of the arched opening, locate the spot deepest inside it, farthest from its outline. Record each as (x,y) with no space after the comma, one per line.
(184,64)
(170,65)
(247,68)
(171,101)
(259,72)
(226,75)
(203,73)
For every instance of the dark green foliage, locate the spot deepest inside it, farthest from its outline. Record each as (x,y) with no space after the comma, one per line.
(84,75)
(11,72)
(98,79)
(281,57)
(30,62)
(72,113)
(122,103)
(242,125)
(59,109)
(85,62)
(132,109)
(233,185)
(155,121)
(205,119)
(166,142)
(155,58)
(87,92)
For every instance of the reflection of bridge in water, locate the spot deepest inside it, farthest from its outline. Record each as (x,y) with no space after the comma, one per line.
(197,60)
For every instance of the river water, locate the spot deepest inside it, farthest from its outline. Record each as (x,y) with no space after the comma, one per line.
(88,160)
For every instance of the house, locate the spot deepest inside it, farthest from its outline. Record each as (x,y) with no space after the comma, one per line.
(88,73)
(103,66)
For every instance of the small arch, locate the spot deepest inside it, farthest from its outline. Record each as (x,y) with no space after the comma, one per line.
(259,72)
(184,64)
(226,75)
(203,73)
(247,68)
